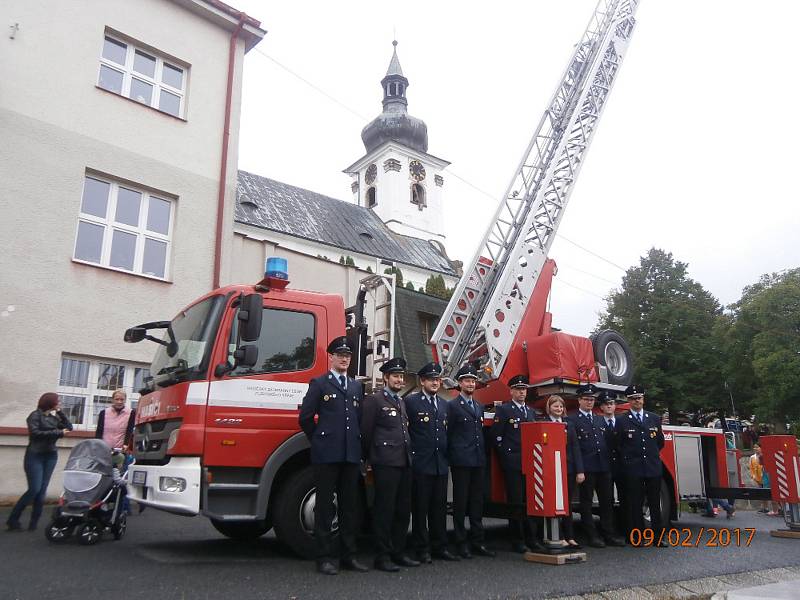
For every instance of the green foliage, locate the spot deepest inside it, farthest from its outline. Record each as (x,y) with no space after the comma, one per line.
(398,275)
(369,269)
(435,286)
(409,286)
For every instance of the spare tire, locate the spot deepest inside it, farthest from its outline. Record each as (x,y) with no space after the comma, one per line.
(612,352)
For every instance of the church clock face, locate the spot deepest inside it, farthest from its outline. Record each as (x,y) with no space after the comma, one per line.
(416,170)
(372,172)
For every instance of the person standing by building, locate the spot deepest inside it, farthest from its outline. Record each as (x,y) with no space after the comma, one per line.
(330,416)
(640,440)
(608,407)
(467,455)
(115,425)
(507,436)
(46,425)
(427,425)
(387,449)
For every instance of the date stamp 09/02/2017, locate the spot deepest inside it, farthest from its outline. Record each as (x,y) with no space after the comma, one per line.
(686,538)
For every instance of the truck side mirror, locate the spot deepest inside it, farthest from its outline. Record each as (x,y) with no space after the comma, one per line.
(135,334)
(250,314)
(246,356)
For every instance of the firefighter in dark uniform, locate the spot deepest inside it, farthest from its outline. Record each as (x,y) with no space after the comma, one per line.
(467,454)
(387,448)
(640,440)
(608,405)
(427,424)
(507,436)
(596,457)
(335,401)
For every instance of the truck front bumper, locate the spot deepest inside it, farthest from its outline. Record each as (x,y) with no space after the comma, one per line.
(174,487)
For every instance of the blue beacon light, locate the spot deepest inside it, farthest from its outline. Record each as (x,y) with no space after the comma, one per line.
(277,268)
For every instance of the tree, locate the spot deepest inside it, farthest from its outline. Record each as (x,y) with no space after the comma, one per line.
(672,325)
(410,285)
(435,286)
(398,275)
(347,261)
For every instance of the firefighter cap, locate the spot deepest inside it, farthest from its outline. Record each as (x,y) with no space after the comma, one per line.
(635,390)
(467,370)
(605,397)
(587,390)
(430,371)
(519,381)
(394,365)
(340,345)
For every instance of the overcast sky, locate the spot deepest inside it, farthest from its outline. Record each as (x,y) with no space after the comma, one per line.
(696,152)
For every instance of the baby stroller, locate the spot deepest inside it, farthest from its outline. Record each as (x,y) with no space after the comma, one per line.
(92,500)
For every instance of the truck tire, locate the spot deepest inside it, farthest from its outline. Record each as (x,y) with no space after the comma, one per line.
(294,513)
(612,352)
(242,530)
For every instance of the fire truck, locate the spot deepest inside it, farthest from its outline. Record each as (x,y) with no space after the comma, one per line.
(217,431)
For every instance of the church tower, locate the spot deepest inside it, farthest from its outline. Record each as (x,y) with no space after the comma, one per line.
(397,178)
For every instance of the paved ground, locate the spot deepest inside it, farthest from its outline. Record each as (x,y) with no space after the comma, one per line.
(167,557)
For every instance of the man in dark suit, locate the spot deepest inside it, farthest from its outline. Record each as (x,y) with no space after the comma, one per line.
(596,457)
(335,400)
(608,406)
(507,437)
(427,424)
(387,448)
(467,455)
(640,440)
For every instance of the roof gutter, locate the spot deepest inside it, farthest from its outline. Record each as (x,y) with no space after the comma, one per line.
(226,134)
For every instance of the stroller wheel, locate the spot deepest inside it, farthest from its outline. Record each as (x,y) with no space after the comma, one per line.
(58,532)
(89,533)
(120,527)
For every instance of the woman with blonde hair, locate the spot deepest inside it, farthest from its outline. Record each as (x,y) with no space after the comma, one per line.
(556,412)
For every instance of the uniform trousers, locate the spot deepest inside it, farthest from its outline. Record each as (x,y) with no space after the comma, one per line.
(639,488)
(391,509)
(340,479)
(599,482)
(567,526)
(468,501)
(429,524)
(621,516)
(524,528)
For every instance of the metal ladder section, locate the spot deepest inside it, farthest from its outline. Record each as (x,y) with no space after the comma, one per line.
(481,320)
(381,290)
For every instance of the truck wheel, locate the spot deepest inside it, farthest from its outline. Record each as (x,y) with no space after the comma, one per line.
(242,530)
(612,352)
(294,513)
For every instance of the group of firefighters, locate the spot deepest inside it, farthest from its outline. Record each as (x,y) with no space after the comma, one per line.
(410,445)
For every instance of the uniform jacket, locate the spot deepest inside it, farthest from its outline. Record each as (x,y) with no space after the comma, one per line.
(465,445)
(507,435)
(574,456)
(428,431)
(613,448)
(592,439)
(384,431)
(335,436)
(639,444)
(44,429)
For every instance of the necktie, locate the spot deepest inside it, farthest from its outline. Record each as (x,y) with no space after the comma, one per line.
(343,382)
(432,400)
(610,423)
(471,405)
(639,417)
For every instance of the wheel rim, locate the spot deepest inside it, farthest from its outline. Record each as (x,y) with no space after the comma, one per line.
(90,533)
(307,505)
(616,360)
(122,526)
(58,533)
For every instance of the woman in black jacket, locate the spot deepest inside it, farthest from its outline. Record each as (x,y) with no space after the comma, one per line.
(45,425)
(556,411)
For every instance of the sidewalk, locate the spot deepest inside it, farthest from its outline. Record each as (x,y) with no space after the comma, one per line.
(776,584)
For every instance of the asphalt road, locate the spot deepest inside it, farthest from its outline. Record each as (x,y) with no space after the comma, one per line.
(166,557)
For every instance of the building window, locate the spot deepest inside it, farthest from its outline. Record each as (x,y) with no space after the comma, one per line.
(143,76)
(124,228)
(418,196)
(372,197)
(85,386)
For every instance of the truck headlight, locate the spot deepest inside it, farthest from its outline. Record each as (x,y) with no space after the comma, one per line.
(171,484)
(173,439)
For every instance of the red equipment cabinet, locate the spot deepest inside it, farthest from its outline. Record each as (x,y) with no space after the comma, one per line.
(781,463)
(544,463)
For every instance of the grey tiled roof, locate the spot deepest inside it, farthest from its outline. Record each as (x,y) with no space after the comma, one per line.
(269,204)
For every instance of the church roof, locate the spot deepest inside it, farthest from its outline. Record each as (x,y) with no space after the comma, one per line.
(269,204)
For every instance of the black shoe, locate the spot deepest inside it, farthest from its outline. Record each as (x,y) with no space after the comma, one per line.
(615,540)
(519,548)
(424,557)
(596,543)
(13,526)
(351,564)
(482,550)
(326,567)
(464,552)
(446,555)
(405,561)
(384,564)
(536,546)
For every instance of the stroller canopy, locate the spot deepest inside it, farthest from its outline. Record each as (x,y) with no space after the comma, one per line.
(91,456)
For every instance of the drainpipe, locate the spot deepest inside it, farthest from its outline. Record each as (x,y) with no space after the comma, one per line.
(223,166)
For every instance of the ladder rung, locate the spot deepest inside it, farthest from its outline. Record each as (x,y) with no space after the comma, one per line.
(384,305)
(381,332)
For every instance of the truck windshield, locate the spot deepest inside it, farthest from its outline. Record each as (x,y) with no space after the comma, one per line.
(194,330)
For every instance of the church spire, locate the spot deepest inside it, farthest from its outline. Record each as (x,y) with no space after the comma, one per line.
(394,65)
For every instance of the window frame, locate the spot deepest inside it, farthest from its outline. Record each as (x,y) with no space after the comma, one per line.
(156,81)
(92,389)
(110,224)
